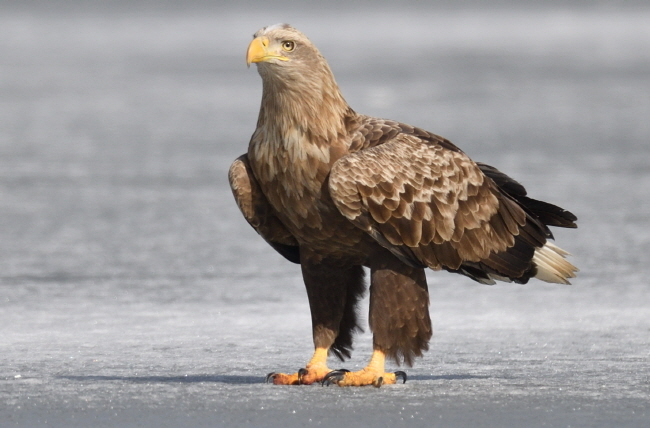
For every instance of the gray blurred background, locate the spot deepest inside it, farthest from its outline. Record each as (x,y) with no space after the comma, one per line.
(133,293)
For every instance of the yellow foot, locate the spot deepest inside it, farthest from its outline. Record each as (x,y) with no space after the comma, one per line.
(363,377)
(311,374)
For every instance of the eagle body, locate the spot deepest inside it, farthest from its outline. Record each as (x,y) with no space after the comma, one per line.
(336,191)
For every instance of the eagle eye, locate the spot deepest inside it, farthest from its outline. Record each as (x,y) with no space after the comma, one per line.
(288,45)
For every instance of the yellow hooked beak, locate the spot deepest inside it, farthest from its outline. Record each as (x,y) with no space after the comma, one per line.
(259,51)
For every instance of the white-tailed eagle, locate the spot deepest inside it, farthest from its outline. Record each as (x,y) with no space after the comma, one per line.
(334,191)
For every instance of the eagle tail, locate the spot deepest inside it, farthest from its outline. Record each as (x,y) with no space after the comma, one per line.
(551,264)
(549,260)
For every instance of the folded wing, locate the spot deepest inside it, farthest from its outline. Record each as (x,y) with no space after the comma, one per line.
(257,210)
(430,205)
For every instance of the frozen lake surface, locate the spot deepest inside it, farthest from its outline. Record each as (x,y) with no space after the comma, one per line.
(133,293)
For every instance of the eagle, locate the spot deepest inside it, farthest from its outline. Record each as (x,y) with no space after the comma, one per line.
(336,191)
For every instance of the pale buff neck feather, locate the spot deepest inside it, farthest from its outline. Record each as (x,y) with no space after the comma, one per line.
(303,99)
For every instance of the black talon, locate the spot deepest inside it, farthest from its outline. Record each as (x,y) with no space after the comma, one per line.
(270,376)
(301,373)
(401,374)
(379,382)
(334,377)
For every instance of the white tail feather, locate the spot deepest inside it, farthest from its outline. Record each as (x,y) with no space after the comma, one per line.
(552,265)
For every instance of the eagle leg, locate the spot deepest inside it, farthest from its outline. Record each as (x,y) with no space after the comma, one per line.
(373,374)
(313,372)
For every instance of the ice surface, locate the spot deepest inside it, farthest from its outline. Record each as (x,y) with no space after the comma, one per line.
(134,294)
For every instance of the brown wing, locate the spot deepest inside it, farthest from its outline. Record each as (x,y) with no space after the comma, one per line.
(258,211)
(429,204)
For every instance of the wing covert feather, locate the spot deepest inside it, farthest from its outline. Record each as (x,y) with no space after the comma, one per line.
(426,201)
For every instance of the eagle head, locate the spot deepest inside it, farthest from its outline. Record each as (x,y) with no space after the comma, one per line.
(278,44)
(299,89)
(288,58)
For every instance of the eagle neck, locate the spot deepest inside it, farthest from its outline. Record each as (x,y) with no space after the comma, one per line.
(313,107)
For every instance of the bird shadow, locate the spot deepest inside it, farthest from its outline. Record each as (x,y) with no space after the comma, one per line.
(227,379)
(201,378)
(448,377)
